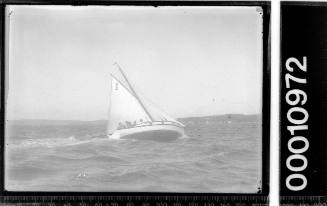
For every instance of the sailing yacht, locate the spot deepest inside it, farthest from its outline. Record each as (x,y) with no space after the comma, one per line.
(131,117)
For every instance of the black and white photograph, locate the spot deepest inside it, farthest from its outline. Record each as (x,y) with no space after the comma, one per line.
(134,98)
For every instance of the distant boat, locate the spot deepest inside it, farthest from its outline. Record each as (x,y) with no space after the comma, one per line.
(130,117)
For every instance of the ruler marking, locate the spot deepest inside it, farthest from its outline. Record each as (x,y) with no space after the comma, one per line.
(147,200)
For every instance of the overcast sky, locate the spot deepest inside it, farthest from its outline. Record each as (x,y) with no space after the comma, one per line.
(189,61)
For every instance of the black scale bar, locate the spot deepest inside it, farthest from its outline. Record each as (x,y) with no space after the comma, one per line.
(304,200)
(139,200)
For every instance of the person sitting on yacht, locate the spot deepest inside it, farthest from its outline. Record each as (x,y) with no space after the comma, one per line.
(128,124)
(121,126)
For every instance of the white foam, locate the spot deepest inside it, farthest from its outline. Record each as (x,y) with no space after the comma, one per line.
(184,136)
(114,136)
(48,142)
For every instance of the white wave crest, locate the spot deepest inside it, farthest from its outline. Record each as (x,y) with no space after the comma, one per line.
(48,142)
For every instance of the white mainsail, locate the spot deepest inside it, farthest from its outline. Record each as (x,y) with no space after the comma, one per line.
(124,107)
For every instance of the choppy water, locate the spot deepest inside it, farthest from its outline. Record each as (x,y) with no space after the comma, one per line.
(217,156)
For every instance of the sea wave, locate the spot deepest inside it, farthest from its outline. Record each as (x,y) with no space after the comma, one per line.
(211,158)
(47,142)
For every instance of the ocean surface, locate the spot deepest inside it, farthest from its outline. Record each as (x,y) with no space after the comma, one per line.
(217,154)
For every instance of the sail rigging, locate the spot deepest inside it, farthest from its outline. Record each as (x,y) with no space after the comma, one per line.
(156,112)
(128,109)
(133,91)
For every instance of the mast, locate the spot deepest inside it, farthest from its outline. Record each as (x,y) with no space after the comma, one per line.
(137,97)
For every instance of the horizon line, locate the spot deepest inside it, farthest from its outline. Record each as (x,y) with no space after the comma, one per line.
(107,120)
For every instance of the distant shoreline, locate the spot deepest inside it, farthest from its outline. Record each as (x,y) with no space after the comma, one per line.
(68,122)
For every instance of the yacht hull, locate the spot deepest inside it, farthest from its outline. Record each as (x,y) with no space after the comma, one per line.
(150,132)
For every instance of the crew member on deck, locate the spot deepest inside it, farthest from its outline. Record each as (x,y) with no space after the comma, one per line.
(121,126)
(128,124)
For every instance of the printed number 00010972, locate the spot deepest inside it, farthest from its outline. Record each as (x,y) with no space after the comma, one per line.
(297,118)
